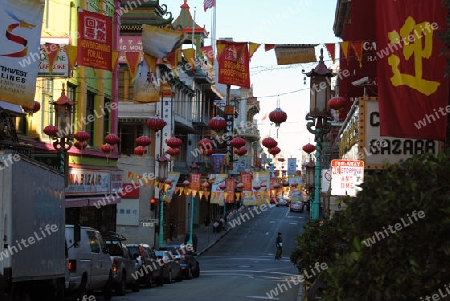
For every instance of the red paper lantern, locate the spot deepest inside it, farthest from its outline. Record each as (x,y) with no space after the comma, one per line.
(274,150)
(140,150)
(281,159)
(156,123)
(143,141)
(277,116)
(205,143)
(112,139)
(337,103)
(276,185)
(51,130)
(242,151)
(173,151)
(294,184)
(222,186)
(237,142)
(174,142)
(207,152)
(36,107)
(269,142)
(285,184)
(106,148)
(240,185)
(217,123)
(205,185)
(82,136)
(308,148)
(81,145)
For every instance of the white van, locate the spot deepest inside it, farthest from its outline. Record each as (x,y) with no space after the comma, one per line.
(88,263)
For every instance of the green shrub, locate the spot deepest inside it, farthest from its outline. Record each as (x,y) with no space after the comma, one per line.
(406,263)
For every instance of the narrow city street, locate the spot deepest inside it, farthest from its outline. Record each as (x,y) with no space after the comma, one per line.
(242,265)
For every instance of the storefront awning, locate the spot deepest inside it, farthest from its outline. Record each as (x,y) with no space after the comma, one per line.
(93,201)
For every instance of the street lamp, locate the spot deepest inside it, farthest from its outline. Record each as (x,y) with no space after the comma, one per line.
(62,134)
(162,173)
(319,118)
(195,186)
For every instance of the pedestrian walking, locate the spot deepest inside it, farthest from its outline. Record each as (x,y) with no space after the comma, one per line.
(279,245)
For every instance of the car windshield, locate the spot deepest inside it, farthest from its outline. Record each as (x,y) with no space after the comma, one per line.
(133,250)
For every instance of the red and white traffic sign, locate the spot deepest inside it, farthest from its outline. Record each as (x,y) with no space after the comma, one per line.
(346,175)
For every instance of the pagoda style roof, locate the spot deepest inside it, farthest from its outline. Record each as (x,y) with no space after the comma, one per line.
(150,13)
(185,21)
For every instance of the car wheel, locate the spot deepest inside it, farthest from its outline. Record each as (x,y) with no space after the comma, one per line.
(169,277)
(189,273)
(121,286)
(107,290)
(81,292)
(197,271)
(136,286)
(180,275)
(161,278)
(149,281)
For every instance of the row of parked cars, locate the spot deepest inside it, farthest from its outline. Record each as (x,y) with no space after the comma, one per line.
(297,206)
(103,262)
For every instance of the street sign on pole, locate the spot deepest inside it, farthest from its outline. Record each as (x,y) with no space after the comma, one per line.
(346,175)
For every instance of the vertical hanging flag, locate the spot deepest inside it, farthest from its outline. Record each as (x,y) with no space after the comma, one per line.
(20,32)
(208,52)
(94,40)
(208,4)
(412,86)
(72,55)
(252,49)
(234,67)
(133,60)
(189,55)
(344,48)
(51,52)
(331,47)
(358,48)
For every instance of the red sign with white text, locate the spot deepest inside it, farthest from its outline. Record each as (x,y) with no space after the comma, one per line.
(94,41)
(234,66)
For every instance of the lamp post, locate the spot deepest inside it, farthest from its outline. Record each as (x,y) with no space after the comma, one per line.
(62,134)
(162,173)
(195,186)
(319,118)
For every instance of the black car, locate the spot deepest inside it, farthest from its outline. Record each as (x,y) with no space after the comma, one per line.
(149,270)
(189,264)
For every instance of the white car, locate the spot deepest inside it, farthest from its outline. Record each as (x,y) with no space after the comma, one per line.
(283,202)
(88,263)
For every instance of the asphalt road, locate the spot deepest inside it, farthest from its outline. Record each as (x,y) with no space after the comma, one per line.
(242,266)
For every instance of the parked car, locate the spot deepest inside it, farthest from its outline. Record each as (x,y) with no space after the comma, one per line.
(123,264)
(149,270)
(171,266)
(297,206)
(88,263)
(283,202)
(189,264)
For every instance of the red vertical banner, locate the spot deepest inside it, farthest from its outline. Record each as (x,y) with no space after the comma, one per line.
(94,40)
(194,180)
(234,66)
(246,179)
(230,188)
(412,89)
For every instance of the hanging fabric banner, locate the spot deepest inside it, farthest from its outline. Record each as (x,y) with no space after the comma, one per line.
(218,161)
(146,88)
(94,40)
(412,84)
(295,53)
(20,33)
(234,66)
(159,42)
(331,48)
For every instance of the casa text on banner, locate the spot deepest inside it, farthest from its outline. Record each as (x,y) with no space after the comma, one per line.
(412,87)
(20,34)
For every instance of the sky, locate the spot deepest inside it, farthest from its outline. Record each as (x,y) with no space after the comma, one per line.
(269,22)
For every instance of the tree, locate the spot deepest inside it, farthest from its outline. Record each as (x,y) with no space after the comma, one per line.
(381,247)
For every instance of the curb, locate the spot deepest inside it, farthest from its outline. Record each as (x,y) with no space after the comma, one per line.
(212,244)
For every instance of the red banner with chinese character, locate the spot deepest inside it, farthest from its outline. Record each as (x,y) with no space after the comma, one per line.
(412,89)
(194,180)
(231,185)
(234,66)
(94,40)
(246,179)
